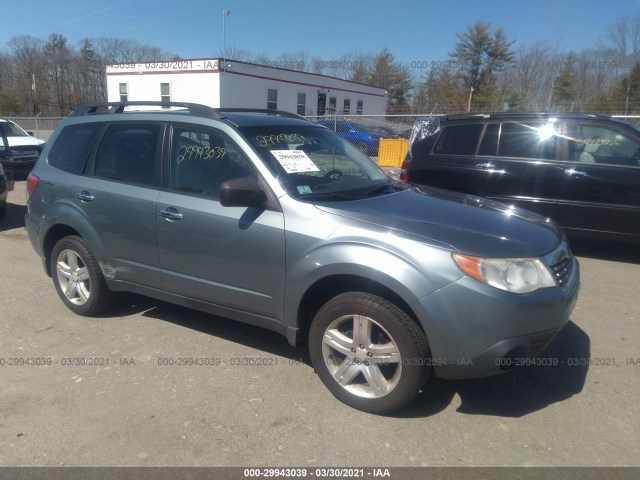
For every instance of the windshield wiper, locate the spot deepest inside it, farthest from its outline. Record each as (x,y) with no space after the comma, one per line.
(327,196)
(378,189)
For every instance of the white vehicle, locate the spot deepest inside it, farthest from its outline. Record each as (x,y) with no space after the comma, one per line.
(24,146)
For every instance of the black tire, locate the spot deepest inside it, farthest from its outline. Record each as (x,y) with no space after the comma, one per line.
(91,295)
(3,210)
(378,386)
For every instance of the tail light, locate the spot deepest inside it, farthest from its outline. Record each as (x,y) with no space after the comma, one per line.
(404,170)
(32,183)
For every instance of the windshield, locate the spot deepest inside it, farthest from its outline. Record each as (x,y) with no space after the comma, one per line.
(14,131)
(312,162)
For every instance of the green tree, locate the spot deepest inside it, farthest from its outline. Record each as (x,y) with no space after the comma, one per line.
(393,77)
(564,90)
(478,55)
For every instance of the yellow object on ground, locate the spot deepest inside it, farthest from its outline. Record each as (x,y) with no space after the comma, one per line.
(391,151)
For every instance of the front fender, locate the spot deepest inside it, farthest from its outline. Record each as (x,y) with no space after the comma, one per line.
(391,269)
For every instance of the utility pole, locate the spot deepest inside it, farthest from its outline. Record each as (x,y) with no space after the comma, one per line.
(225,13)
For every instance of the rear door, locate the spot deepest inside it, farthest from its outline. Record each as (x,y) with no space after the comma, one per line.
(118,194)
(602,179)
(519,163)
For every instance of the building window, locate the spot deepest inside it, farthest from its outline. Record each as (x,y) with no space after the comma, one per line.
(272,99)
(359,107)
(123,92)
(302,104)
(346,107)
(332,104)
(165,92)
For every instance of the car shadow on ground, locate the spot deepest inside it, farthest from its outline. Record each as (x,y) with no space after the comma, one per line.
(237,332)
(605,250)
(561,372)
(14,218)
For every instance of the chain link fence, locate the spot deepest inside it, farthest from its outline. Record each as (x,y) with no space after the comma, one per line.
(363,131)
(39,127)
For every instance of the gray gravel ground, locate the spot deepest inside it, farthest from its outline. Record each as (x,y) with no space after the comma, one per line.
(130,411)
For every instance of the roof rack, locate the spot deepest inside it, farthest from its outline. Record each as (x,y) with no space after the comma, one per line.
(118,107)
(280,113)
(461,116)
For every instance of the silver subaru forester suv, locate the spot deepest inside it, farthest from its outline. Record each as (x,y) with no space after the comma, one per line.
(269,219)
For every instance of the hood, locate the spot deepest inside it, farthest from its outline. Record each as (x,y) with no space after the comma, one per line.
(471,225)
(24,141)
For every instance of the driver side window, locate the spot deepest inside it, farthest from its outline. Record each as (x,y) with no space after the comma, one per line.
(601,144)
(203,159)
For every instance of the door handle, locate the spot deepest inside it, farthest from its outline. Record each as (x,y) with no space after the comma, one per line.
(573,171)
(485,165)
(170,213)
(84,196)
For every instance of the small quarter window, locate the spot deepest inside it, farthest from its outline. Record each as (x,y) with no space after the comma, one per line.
(72,147)
(458,140)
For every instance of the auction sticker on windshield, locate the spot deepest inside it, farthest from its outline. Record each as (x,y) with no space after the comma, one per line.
(295,161)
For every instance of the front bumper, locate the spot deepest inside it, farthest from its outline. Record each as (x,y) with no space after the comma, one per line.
(475,330)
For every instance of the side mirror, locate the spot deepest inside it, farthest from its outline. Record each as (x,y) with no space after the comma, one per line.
(30,133)
(242,192)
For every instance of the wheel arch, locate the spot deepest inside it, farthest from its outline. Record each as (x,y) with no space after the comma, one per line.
(53,235)
(330,286)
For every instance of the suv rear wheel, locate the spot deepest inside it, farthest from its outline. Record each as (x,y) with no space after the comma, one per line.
(77,277)
(368,352)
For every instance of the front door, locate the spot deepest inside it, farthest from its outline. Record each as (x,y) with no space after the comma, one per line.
(228,256)
(602,179)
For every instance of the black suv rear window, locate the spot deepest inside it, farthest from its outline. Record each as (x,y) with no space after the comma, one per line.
(458,140)
(71,149)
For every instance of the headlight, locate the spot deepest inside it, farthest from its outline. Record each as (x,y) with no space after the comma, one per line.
(516,275)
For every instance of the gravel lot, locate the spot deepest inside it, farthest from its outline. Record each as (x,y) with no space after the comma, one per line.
(128,409)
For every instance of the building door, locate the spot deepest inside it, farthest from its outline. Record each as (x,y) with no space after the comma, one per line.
(322,103)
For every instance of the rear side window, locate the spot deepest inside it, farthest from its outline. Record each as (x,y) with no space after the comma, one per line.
(127,153)
(458,140)
(72,147)
(527,141)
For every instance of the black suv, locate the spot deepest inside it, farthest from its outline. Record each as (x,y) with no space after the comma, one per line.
(581,170)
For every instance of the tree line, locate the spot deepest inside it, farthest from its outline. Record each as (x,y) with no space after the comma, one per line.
(484,72)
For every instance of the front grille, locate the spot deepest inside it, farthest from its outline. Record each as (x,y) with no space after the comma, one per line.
(562,270)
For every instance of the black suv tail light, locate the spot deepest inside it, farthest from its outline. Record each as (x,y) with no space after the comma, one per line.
(404,170)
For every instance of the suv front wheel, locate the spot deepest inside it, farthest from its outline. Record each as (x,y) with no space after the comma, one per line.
(368,352)
(77,277)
